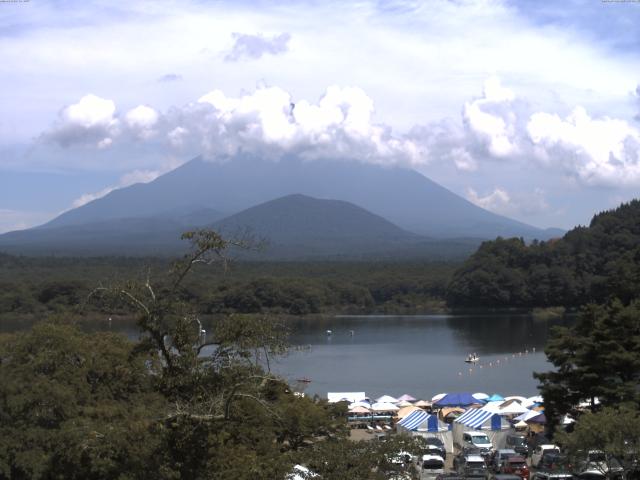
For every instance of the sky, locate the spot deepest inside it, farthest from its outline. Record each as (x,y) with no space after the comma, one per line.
(529,109)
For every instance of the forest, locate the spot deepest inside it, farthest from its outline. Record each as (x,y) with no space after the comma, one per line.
(31,287)
(589,264)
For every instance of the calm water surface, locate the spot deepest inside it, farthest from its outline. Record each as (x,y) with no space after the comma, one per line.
(420,355)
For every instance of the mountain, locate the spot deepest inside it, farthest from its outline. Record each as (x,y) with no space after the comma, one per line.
(402,196)
(295,227)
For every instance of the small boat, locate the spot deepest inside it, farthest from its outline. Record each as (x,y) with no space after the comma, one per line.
(472,358)
(303,380)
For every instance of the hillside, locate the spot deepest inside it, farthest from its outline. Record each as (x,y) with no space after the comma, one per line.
(589,264)
(402,196)
(295,227)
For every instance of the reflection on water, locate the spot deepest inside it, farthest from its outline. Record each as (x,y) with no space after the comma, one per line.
(420,355)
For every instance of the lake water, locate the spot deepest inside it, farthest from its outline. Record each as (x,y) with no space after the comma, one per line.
(420,355)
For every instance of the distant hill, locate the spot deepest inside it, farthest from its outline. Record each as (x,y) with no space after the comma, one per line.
(588,264)
(296,227)
(402,196)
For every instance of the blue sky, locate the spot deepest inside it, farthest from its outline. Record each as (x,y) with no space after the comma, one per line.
(530,109)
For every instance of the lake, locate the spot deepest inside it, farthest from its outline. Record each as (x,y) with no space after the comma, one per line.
(421,355)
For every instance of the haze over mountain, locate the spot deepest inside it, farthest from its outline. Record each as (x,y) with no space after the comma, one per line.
(402,196)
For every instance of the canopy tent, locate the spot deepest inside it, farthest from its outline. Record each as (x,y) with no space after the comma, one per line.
(351,397)
(481,396)
(495,398)
(521,424)
(384,407)
(456,400)
(407,398)
(531,401)
(404,403)
(387,399)
(489,421)
(359,409)
(420,423)
(437,397)
(513,408)
(538,419)
(403,412)
(454,411)
(359,404)
(525,417)
(518,398)
(422,403)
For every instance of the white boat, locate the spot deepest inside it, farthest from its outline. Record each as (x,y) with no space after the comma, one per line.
(472,359)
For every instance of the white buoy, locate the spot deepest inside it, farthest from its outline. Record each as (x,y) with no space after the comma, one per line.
(329,333)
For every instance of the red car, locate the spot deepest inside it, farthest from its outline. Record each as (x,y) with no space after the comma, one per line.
(516,465)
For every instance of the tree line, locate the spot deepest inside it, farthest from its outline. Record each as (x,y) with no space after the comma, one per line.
(589,264)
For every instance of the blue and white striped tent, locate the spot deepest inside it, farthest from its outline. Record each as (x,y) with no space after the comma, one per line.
(420,420)
(420,423)
(478,418)
(494,425)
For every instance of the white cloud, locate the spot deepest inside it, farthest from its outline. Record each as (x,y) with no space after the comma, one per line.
(141,121)
(491,119)
(130,178)
(598,151)
(520,204)
(91,121)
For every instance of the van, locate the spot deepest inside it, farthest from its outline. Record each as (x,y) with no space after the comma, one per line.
(478,440)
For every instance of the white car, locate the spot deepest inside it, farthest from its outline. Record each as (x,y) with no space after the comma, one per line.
(540,450)
(431,466)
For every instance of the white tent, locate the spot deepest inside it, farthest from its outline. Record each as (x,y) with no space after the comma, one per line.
(384,407)
(351,397)
(513,408)
(533,400)
(480,396)
(387,399)
(359,404)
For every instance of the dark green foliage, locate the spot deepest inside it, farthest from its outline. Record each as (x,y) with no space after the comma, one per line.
(590,264)
(598,357)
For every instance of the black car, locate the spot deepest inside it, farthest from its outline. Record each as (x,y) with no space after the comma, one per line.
(518,443)
(553,461)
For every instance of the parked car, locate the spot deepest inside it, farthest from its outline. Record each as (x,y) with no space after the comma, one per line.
(435,446)
(516,465)
(553,461)
(477,440)
(471,465)
(517,443)
(431,465)
(540,450)
(596,464)
(499,457)
(504,476)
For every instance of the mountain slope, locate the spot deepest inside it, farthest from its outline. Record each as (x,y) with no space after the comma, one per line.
(402,196)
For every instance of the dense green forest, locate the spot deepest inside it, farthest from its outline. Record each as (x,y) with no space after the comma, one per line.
(36,286)
(589,264)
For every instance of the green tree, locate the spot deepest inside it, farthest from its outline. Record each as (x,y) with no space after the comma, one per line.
(599,357)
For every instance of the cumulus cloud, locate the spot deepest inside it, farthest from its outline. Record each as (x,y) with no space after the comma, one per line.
(491,119)
(597,151)
(502,202)
(141,121)
(255,46)
(91,121)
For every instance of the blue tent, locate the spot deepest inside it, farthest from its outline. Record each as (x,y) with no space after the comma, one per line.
(457,400)
(495,398)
